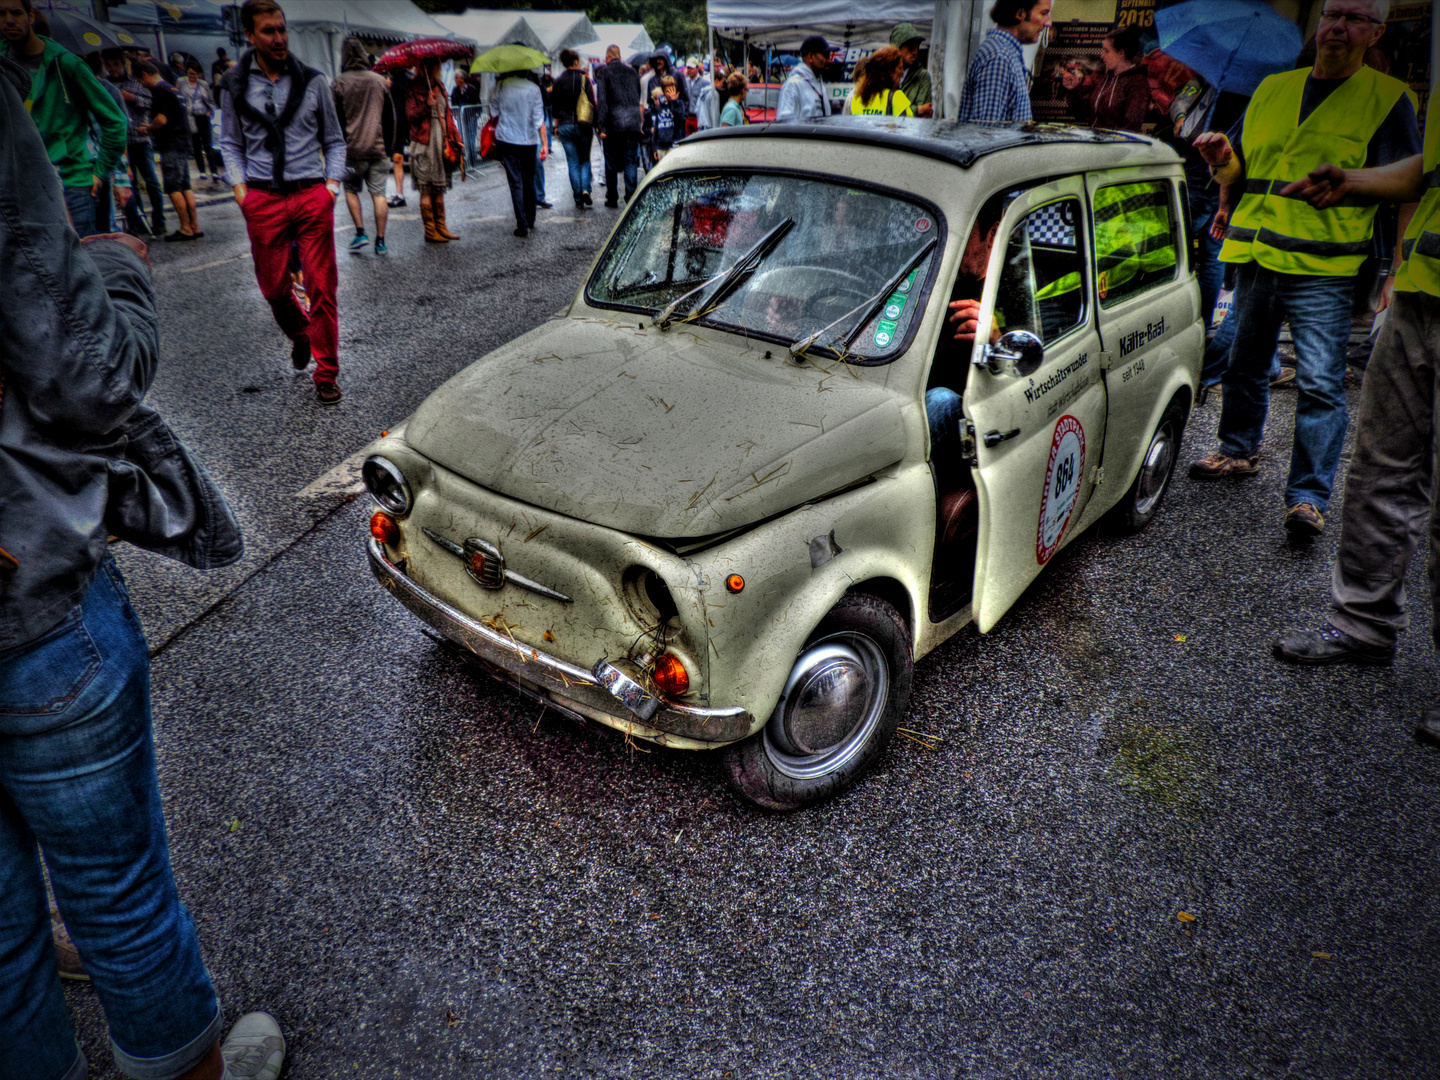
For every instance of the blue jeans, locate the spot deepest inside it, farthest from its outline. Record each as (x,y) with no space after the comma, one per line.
(77,778)
(943,408)
(82,207)
(1209,271)
(142,169)
(1319,312)
(539,176)
(576,141)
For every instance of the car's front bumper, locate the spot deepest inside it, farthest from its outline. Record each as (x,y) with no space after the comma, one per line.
(566,687)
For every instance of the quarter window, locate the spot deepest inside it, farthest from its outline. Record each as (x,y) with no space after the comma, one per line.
(1042,281)
(1136,243)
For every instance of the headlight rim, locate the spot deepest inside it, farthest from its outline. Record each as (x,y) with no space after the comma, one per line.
(396,474)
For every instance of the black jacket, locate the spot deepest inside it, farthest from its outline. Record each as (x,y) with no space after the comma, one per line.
(565,95)
(617,97)
(81,457)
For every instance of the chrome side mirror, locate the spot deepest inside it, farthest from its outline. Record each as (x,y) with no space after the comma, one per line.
(1018,353)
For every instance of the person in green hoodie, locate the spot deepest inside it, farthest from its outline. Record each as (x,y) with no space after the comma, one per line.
(65,100)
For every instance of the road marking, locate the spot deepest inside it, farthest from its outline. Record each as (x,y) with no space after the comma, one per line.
(217,262)
(343,479)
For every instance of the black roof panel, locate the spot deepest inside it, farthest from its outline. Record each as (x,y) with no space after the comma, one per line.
(961,144)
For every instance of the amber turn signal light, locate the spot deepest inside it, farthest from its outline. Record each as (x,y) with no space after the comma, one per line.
(670,675)
(734,583)
(384,528)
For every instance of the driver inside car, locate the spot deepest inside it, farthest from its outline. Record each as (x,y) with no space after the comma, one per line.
(943,404)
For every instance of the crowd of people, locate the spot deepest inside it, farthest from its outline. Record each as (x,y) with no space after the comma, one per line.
(1286,189)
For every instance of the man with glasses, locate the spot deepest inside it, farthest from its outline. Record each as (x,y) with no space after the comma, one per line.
(1298,261)
(285,155)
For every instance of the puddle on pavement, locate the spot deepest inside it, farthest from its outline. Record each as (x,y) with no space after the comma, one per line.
(1160,766)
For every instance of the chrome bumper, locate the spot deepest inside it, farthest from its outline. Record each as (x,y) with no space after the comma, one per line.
(569,688)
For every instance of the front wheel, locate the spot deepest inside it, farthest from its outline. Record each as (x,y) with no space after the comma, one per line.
(1142,501)
(846,694)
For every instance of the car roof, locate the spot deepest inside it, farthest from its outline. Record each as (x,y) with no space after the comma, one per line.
(946,140)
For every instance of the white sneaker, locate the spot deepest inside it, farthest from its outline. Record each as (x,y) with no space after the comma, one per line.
(255,1048)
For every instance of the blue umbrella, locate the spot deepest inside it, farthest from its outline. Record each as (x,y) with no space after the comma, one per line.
(1231,44)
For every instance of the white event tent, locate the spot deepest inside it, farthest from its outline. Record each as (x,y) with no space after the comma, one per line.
(562,30)
(628,37)
(318,27)
(490,28)
(849,24)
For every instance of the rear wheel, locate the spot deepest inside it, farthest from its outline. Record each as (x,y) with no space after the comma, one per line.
(845,696)
(1142,502)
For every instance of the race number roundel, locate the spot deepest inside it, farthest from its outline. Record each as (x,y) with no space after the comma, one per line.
(1062,486)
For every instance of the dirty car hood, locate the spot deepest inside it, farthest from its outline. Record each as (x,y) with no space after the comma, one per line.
(657,434)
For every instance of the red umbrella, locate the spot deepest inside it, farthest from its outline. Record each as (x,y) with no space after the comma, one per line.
(410,53)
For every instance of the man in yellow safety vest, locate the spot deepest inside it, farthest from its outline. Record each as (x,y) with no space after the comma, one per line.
(1297,260)
(1390,487)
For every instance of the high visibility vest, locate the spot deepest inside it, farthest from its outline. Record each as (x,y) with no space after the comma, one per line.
(1420,249)
(1288,235)
(1133,233)
(885,103)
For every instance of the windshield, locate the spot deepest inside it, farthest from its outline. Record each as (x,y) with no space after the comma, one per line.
(842,246)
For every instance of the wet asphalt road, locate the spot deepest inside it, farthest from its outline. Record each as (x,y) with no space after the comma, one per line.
(423,878)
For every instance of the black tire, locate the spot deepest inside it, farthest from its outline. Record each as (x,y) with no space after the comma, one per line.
(1142,501)
(862,642)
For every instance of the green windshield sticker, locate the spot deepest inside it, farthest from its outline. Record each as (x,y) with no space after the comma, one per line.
(904,286)
(884,333)
(894,307)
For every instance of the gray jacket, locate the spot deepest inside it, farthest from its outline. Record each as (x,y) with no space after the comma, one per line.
(81,457)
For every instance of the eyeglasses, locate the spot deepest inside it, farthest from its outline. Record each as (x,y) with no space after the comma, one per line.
(1350,17)
(270,99)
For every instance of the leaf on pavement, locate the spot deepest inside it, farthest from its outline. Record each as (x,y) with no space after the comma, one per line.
(1322,956)
(1184,916)
(235,825)
(1181,638)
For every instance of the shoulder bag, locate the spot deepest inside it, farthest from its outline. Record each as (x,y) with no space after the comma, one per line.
(584,111)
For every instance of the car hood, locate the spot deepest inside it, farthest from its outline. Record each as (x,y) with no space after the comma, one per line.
(656,433)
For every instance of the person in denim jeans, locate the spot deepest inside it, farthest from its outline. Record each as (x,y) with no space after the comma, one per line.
(79,450)
(1296,261)
(573,135)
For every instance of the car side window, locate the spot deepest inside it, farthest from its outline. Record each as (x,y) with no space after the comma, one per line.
(1136,242)
(1042,281)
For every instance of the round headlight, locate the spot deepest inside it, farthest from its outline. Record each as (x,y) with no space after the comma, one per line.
(386,484)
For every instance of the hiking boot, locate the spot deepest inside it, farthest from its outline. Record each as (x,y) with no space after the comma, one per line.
(1327,645)
(328,393)
(300,354)
(360,243)
(1285,380)
(380,248)
(67,956)
(254,1049)
(1304,520)
(1223,467)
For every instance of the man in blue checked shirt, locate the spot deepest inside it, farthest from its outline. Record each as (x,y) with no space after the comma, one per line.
(997,88)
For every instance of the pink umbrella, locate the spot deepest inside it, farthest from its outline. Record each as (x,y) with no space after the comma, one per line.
(410,53)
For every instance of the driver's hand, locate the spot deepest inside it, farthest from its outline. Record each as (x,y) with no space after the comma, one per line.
(965,317)
(1215,148)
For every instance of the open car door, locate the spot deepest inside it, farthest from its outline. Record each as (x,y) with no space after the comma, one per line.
(1038,433)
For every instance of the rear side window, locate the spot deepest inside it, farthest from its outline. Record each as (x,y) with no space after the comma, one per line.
(1136,240)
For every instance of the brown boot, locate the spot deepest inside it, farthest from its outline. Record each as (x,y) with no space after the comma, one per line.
(432,234)
(440,225)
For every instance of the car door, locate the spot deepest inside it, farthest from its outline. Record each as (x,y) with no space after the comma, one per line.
(1037,435)
(1147,304)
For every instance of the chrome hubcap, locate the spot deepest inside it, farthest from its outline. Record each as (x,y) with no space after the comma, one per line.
(1156,470)
(830,707)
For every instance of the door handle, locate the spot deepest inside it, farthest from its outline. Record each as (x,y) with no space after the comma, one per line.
(995,438)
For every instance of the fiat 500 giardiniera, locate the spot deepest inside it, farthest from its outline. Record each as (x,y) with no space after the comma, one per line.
(750,476)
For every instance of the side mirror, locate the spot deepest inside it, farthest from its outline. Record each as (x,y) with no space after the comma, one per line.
(1018,353)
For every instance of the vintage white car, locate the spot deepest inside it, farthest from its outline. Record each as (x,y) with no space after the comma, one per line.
(706,508)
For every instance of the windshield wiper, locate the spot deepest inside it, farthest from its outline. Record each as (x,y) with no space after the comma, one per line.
(867,310)
(726,281)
